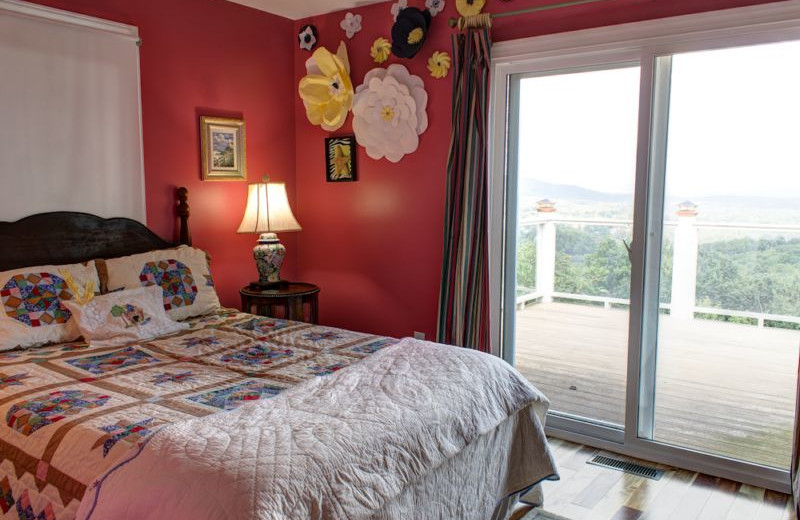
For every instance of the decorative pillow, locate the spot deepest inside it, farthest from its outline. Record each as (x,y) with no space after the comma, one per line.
(182,273)
(32,310)
(122,317)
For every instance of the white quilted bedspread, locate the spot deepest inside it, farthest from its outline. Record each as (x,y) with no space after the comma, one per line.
(347,446)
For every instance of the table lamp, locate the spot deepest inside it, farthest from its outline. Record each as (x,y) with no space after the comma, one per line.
(268,212)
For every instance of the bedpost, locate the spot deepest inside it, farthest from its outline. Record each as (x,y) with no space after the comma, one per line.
(185,236)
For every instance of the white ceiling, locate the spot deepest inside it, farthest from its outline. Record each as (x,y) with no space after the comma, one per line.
(296,9)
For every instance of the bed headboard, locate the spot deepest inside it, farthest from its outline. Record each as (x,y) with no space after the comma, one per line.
(65,237)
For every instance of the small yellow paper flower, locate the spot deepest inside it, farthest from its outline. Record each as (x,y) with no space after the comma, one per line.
(80,294)
(380,50)
(327,91)
(439,64)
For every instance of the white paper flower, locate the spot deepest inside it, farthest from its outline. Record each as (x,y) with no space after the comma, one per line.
(351,24)
(389,112)
(397,7)
(307,37)
(434,6)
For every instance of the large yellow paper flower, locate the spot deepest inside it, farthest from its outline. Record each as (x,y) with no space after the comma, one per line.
(326,90)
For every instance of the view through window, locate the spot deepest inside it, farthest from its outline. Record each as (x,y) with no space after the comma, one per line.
(729,327)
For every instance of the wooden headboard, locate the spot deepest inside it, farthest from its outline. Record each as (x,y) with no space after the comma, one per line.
(65,237)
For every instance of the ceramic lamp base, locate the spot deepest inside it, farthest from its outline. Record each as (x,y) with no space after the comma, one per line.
(269,254)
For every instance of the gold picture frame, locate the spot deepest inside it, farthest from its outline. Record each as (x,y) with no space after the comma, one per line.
(223,146)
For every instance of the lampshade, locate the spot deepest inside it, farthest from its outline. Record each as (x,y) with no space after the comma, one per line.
(268,210)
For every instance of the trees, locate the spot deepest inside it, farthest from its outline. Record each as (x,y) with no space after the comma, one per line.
(743,274)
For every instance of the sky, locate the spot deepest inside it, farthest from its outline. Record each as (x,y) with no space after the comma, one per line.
(734,125)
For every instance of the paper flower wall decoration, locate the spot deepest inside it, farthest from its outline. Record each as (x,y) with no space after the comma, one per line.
(409,32)
(439,64)
(434,6)
(469,7)
(307,37)
(397,7)
(351,24)
(380,50)
(389,112)
(327,91)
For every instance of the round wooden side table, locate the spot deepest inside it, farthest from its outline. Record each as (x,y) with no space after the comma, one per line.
(296,301)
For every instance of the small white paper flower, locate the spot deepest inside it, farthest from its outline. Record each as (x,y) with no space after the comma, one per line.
(351,24)
(389,112)
(434,6)
(307,37)
(397,7)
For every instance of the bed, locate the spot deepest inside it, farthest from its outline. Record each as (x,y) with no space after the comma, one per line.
(241,416)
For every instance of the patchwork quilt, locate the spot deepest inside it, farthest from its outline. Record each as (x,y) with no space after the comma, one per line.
(72,412)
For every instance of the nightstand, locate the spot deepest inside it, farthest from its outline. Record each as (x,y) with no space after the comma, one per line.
(295,301)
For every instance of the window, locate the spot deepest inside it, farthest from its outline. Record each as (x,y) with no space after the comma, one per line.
(645,219)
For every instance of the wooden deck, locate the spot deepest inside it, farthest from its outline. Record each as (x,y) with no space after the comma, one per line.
(722,388)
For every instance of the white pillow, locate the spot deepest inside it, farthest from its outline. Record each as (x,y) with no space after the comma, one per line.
(182,273)
(121,317)
(31,303)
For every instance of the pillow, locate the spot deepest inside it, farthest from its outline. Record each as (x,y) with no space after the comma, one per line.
(122,317)
(32,310)
(182,273)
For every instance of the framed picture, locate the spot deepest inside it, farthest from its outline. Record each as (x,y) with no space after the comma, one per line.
(223,147)
(340,159)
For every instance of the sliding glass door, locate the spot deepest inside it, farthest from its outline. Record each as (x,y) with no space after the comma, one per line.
(728,330)
(651,270)
(576,173)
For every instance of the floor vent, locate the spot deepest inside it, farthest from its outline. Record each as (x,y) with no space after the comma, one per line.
(627,467)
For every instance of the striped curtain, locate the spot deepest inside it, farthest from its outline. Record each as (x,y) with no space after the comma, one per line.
(464,292)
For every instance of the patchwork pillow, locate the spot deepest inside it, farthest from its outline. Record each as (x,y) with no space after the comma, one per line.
(32,310)
(182,273)
(122,317)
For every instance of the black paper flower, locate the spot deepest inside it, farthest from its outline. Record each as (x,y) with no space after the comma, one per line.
(307,37)
(409,32)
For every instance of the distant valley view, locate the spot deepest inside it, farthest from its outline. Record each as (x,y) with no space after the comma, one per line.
(738,269)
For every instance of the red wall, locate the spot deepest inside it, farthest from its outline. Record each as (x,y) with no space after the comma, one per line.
(209,57)
(375,246)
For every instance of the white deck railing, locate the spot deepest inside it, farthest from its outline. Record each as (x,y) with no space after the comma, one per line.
(684,264)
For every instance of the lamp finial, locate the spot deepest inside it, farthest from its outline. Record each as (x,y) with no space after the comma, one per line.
(265,179)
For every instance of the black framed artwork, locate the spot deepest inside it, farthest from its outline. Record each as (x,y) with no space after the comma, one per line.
(340,159)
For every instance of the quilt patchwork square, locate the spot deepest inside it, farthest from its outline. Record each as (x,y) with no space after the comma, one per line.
(103,363)
(234,396)
(321,338)
(199,343)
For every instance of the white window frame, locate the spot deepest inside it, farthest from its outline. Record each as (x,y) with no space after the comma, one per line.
(642,42)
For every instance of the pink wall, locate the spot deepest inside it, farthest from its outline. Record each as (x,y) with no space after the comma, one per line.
(209,57)
(375,246)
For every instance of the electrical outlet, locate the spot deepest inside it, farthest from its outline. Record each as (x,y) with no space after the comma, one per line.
(419,335)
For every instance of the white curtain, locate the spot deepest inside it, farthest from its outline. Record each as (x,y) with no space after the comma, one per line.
(70,130)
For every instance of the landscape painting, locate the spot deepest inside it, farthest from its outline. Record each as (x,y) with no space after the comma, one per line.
(223,147)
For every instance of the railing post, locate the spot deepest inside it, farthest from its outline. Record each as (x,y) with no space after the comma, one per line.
(546,251)
(684,263)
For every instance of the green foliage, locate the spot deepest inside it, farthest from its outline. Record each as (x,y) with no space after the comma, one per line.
(526,262)
(748,274)
(756,275)
(592,261)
